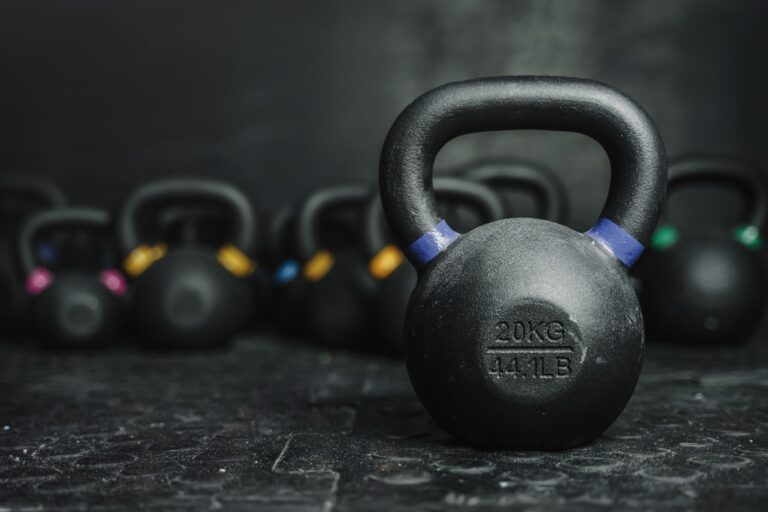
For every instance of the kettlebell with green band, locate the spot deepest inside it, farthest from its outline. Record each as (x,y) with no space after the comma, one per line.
(395,280)
(705,284)
(189,296)
(523,333)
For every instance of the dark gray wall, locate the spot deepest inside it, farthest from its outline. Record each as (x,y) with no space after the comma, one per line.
(282,97)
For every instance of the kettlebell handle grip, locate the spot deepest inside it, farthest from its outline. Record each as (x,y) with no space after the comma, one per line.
(188,191)
(311,212)
(62,218)
(723,169)
(477,194)
(617,123)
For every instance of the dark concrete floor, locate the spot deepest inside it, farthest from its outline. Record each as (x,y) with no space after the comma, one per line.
(275,425)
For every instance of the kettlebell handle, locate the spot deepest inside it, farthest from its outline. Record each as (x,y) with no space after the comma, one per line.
(311,211)
(188,191)
(482,197)
(62,218)
(186,217)
(520,173)
(616,122)
(727,170)
(33,185)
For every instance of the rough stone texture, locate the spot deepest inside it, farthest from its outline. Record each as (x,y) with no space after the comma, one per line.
(274,425)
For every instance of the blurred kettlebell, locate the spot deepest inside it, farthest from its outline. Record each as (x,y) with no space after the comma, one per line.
(21,196)
(395,281)
(705,284)
(73,308)
(512,175)
(523,333)
(189,296)
(324,290)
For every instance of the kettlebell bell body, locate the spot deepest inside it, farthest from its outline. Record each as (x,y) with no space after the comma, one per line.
(189,296)
(523,333)
(336,307)
(73,308)
(706,284)
(188,299)
(395,280)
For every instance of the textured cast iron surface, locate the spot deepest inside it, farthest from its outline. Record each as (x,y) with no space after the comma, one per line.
(272,425)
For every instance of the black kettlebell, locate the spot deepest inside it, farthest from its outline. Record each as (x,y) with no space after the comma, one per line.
(523,333)
(72,308)
(21,195)
(189,296)
(705,284)
(395,281)
(323,290)
(512,175)
(335,300)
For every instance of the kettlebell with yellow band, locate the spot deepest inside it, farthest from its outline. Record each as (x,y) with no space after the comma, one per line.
(323,289)
(387,265)
(187,294)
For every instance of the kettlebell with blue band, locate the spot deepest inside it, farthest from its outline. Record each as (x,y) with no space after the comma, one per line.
(705,284)
(72,308)
(395,280)
(191,295)
(523,333)
(279,250)
(22,195)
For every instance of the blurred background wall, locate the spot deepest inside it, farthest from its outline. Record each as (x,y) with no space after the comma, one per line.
(282,97)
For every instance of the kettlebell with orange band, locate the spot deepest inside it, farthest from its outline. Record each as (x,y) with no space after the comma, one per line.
(388,267)
(189,296)
(322,290)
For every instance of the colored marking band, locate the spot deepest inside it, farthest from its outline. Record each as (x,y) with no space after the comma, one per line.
(287,272)
(432,243)
(615,239)
(37,282)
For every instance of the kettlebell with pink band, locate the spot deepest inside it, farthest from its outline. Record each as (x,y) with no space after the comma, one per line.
(72,308)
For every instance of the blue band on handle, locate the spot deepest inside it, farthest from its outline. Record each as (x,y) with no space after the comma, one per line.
(615,239)
(432,243)
(287,272)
